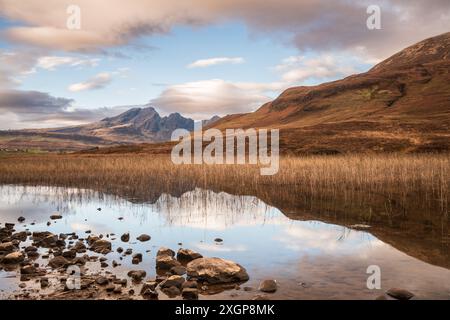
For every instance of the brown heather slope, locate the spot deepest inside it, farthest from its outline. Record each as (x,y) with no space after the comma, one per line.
(402,104)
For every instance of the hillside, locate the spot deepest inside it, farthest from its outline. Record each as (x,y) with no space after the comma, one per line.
(402,104)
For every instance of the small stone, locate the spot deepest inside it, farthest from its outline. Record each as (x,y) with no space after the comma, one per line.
(218,240)
(171,291)
(55,216)
(190,294)
(102,281)
(110,288)
(21,219)
(399,294)
(117,289)
(44,282)
(268,286)
(119,250)
(143,237)
(163,251)
(125,237)
(137,275)
(104,264)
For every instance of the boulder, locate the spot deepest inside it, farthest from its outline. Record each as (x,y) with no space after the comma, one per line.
(6,247)
(216,270)
(166,262)
(101,246)
(58,262)
(13,258)
(187,255)
(163,251)
(173,281)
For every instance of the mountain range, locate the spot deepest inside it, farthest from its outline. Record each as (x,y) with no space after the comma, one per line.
(401,104)
(136,125)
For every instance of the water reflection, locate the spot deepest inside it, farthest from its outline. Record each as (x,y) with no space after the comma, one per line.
(310,259)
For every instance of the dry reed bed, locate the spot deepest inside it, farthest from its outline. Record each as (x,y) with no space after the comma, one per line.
(393,176)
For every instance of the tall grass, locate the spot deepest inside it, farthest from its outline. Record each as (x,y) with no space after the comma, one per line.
(397,179)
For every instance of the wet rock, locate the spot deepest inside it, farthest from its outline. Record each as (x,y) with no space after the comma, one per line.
(143,237)
(9,226)
(165,259)
(187,255)
(44,239)
(21,236)
(28,269)
(80,261)
(44,282)
(13,258)
(79,247)
(119,250)
(69,254)
(114,263)
(110,287)
(101,246)
(163,251)
(137,258)
(137,275)
(117,289)
(58,262)
(125,237)
(148,290)
(171,291)
(218,240)
(91,239)
(268,286)
(178,270)
(166,262)
(190,284)
(55,216)
(21,219)
(6,247)
(190,294)
(173,281)
(216,270)
(102,281)
(399,294)
(104,264)
(30,249)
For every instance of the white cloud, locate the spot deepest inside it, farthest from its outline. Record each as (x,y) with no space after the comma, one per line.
(215,61)
(52,62)
(97,82)
(203,99)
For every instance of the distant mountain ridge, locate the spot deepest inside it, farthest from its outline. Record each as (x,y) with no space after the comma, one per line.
(141,124)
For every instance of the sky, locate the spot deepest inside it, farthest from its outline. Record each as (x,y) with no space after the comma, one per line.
(68,62)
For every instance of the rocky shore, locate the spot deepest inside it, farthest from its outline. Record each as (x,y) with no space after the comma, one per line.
(75,266)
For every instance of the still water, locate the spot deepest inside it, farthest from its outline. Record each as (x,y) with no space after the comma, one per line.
(309,259)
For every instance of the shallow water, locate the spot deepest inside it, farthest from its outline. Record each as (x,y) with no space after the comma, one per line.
(309,259)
